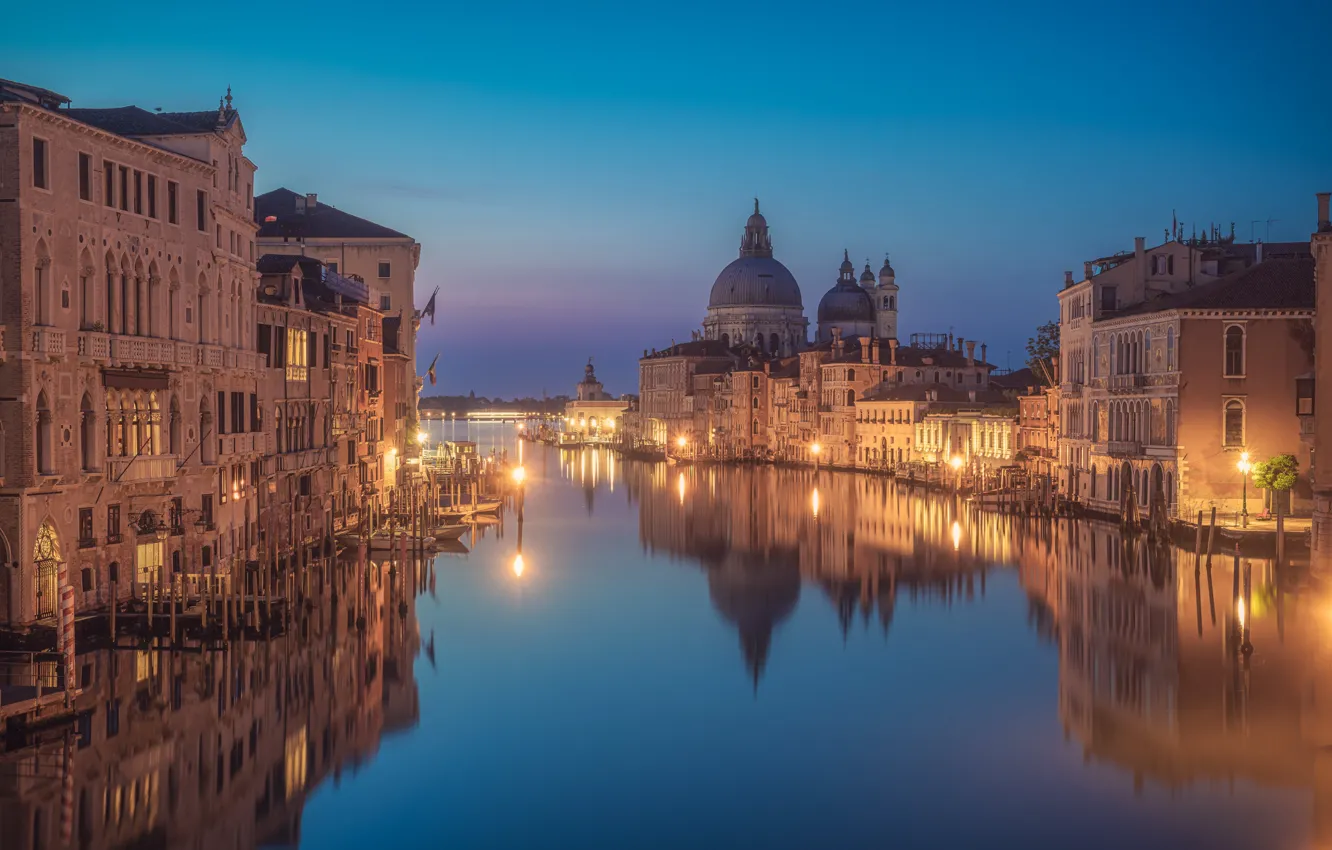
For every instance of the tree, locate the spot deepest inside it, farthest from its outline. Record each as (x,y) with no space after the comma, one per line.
(1042,349)
(1279,474)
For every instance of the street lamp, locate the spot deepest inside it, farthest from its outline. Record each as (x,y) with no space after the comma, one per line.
(956,463)
(815,449)
(1244,467)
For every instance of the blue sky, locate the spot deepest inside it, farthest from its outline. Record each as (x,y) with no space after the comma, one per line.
(579,173)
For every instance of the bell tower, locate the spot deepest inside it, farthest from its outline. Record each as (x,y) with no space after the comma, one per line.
(885,302)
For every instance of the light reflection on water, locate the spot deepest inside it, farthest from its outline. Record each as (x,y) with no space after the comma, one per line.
(720,656)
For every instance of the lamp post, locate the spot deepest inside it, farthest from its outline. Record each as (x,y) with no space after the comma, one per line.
(816,449)
(956,463)
(1244,467)
(680,443)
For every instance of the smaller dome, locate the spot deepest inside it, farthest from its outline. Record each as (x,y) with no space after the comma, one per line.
(867,276)
(887,270)
(843,304)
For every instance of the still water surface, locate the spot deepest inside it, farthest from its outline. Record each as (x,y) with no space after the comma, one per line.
(754,657)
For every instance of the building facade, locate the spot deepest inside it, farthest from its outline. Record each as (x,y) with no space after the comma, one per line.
(131,425)
(386,260)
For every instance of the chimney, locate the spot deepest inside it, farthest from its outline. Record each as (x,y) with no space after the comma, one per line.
(865,349)
(874,350)
(1258,252)
(1068,279)
(983,358)
(892,350)
(1324,224)
(971,353)
(311,200)
(1054,368)
(1087,270)
(960,342)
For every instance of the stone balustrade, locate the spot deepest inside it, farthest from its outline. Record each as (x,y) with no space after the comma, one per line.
(48,341)
(141,468)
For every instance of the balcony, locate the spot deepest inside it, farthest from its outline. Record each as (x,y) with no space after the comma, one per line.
(95,345)
(48,341)
(142,468)
(1123,448)
(1070,390)
(143,351)
(1127,383)
(209,356)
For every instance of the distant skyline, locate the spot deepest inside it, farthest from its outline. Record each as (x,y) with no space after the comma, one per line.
(578,176)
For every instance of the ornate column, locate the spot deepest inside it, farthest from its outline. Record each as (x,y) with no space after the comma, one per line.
(153,310)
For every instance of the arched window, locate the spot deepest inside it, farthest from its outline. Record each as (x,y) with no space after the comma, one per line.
(1234,424)
(774,343)
(755,426)
(45,461)
(850,397)
(87,434)
(850,374)
(1170,349)
(1235,351)
(1146,350)
(1093,482)
(754,402)
(892,302)
(1170,423)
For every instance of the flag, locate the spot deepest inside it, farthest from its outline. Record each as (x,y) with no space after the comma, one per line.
(430,373)
(430,308)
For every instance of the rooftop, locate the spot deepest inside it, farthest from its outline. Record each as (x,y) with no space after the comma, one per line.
(305,217)
(1279,284)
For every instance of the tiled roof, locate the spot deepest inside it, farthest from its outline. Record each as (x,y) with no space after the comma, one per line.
(320,222)
(276,263)
(1017,380)
(694,348)
(133,121)
(1280,284)
(906,355)
(16,91)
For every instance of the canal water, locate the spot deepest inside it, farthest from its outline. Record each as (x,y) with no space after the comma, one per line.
(778,658)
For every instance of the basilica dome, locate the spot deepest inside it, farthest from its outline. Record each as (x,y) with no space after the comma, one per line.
(755,281)
(846,301)
(841,304)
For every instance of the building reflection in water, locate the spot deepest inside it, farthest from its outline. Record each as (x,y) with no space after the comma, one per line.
(1152,679)
(220,747)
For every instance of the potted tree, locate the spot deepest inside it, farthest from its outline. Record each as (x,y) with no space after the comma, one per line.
(1277,475)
